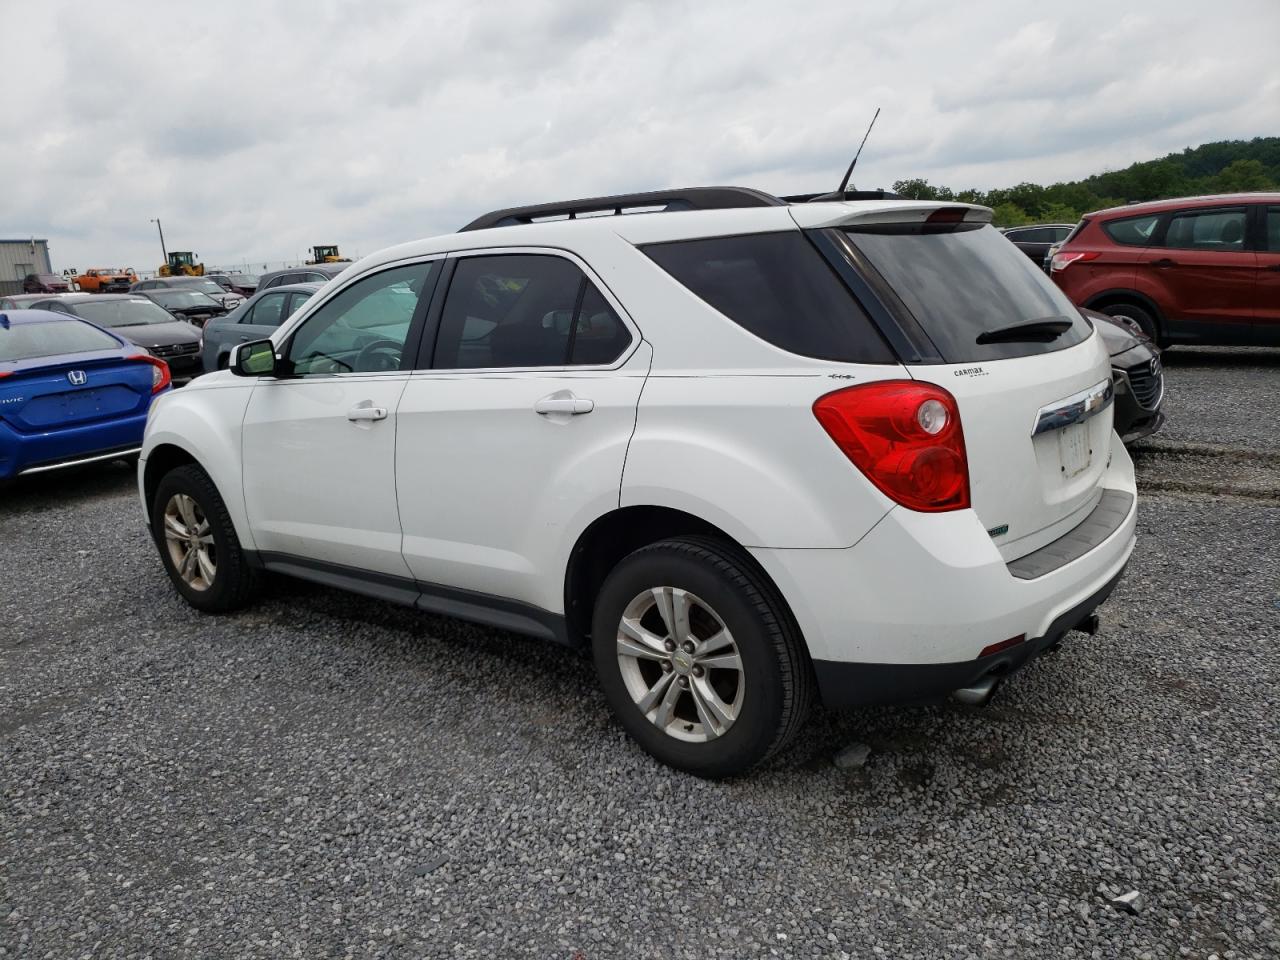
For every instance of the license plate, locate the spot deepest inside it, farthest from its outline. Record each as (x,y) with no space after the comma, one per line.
(1073,446)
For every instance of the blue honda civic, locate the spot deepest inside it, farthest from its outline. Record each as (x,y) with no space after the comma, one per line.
(70,392)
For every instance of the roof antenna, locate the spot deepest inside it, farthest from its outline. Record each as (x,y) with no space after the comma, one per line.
(849,173)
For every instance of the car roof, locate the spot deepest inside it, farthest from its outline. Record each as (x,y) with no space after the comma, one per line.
(37,316)
(309,286)
(1179,203)
(101,297)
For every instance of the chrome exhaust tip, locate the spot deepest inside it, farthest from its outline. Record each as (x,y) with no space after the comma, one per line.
(979,694)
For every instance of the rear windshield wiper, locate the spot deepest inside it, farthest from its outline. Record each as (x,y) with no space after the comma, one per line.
(1044,330)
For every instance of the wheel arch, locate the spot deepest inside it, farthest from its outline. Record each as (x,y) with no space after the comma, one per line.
(614,535)
(160,460)
(1118,295)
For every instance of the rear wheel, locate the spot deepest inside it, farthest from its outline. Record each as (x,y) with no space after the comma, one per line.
(1139,315)
(698,657)
(198,543)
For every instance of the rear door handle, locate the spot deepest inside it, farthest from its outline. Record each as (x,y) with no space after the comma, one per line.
(1164,262)
(367,411)
(564,403)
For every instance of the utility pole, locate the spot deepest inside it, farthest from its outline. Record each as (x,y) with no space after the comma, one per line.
(163,251)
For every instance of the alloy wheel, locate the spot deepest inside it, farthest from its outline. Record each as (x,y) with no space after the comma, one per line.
(189,540)
(680,664)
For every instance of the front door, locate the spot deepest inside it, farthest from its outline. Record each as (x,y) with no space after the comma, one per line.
(1266,292)
(515,437)
(319,441)
(1205,275)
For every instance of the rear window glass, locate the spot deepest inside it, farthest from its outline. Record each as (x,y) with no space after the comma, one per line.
(123,313)
(777,286)
(1133,232)
(26,341)
(961,284)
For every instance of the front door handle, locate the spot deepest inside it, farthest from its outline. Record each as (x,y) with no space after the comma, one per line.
(367,411)
(1164,262)
(564,402)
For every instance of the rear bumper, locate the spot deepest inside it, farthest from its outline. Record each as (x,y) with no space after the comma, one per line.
(27,453)
(904,614)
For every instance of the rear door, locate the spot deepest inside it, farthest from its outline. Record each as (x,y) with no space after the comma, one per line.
(518,429)
(991,329)
(1204,274)
(1266,292)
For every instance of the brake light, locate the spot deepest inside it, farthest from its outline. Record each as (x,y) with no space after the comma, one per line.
(905,437)
(1063,260)
(160,377)
(946,215)
(5,373)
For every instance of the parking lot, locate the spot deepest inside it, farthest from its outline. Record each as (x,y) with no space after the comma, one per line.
(326,775)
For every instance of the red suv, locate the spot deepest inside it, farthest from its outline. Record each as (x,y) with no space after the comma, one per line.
(1194,270)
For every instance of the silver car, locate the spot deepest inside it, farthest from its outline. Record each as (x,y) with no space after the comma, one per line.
(255,319)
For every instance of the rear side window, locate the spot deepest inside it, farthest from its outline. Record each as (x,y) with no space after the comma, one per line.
(268,311)
(778,287)
(526,310)
(1217,229)
(1273,229)
(968,283)
(26,341)
(1133,231)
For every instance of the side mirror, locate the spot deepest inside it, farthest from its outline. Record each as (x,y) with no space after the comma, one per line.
(254,359)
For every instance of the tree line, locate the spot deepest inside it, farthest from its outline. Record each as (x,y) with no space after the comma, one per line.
(1228,166)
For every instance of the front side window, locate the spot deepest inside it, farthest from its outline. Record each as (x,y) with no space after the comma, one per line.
(268,311)
(526,310)
(1218,229)
(1133,231)
(364,328)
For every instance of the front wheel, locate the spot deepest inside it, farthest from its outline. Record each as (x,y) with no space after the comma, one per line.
(198,543)
(1138,315)
(699,658)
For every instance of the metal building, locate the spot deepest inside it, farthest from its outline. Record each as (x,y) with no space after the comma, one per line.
(20,257)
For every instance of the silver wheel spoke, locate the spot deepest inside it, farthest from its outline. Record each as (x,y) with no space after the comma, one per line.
(706,697)
(202,530)
(188,563)
(662,597)
(174,528)
(185,505)
(680,614)
(206,566)
(635,641)
(667,710)
(717,641)
(650,699)
(725,661)
(705,717)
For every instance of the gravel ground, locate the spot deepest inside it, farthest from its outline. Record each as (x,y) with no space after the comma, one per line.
(1223,395)
(325,775)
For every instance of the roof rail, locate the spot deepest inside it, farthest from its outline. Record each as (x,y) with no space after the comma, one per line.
(689,198)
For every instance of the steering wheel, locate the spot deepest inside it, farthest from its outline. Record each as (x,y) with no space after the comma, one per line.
(379,356)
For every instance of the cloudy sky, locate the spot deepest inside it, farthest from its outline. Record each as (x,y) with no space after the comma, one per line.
(254,130)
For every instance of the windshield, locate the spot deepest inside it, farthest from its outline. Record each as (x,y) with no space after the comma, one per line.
(184,299)
(26,341)
(962,283)
(123,313)
(244,279)
(207,286)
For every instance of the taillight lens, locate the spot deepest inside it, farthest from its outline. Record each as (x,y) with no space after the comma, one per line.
(160,377)
(1063,260)
(905,436)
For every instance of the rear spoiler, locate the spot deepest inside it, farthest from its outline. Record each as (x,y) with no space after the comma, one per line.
(818,216)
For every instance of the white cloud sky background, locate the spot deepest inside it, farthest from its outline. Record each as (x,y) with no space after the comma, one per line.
(255,130)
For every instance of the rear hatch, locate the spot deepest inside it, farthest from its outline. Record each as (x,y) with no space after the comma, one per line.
(74,391)
(1031,379)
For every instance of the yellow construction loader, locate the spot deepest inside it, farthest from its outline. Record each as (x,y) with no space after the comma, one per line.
(182,263)
(327,253)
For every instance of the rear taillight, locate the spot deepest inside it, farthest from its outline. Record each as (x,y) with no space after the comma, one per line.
(1063,260)
(905,436)
(160,377)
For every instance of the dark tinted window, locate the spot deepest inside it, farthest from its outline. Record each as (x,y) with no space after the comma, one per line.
(1031,235)
(268,311)
(1217,229)
(131,312)
(312,278)
(525,310)
(26,341)
(1133,232)
(960,284)
(777,286)
(297,300)
(1273,229)
(1057,234)
(364,328)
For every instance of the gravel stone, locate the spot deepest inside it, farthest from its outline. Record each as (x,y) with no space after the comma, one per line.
(268,784)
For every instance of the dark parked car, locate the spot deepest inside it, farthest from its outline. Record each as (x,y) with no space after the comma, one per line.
(1036,240)
(1192,270)
(314,273)
(203,284)
(256,319)
(1137,373)
(191,305)
(245,284)
(139,321)
(45,283)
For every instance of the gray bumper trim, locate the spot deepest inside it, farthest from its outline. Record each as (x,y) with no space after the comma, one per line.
(1104,520)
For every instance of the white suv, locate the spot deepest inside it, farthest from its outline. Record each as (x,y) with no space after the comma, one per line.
(750,451)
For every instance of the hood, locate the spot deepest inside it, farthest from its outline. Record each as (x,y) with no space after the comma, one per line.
(1116,336)
(159,334)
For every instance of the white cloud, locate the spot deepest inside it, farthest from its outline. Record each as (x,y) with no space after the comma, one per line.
(257,130)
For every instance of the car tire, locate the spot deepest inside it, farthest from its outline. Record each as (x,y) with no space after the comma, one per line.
(198,543)
(686,703)
(1139,315)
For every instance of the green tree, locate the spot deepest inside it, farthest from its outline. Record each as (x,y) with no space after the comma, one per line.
(1009,215)
(1243,176)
